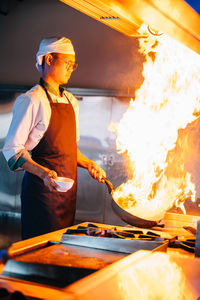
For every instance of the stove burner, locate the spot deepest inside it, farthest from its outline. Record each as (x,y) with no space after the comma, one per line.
(93,230)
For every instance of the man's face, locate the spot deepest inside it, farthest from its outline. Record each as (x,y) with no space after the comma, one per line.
(62,67)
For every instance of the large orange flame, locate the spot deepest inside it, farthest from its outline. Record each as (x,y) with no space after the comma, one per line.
(154,277)
(167,101)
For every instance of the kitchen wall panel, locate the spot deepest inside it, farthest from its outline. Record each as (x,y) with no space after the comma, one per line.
(96,142)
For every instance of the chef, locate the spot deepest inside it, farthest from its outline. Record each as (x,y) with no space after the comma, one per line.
(42,140)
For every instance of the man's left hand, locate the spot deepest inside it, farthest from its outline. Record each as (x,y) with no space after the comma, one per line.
(96,171)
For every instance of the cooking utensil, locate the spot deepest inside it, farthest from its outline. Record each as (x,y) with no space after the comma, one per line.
(131,219)
(109,185)
(126,216)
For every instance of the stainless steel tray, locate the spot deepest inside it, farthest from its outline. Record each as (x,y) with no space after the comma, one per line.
(114,244)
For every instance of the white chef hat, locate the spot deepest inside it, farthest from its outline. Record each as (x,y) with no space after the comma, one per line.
(53,44)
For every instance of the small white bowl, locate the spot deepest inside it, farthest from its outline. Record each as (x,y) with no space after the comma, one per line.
(64,183)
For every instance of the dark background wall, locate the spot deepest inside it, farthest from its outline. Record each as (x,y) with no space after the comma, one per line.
(107,59)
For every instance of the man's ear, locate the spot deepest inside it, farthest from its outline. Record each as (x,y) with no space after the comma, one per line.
(48,59)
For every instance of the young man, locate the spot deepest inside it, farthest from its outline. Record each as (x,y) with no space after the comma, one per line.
(42,140)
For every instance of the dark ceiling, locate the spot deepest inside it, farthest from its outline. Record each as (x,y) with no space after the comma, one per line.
(107,59)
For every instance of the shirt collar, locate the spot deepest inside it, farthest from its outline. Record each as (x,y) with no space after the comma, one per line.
(50,89)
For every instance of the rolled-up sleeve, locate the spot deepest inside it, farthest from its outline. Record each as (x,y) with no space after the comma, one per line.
(20,127)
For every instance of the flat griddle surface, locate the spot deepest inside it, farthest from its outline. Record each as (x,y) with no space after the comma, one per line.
(73,256)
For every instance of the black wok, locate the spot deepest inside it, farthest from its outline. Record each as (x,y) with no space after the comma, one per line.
(126,216)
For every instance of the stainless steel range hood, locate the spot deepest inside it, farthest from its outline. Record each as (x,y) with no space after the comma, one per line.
(175,18)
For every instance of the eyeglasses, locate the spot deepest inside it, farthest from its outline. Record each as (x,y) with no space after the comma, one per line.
(70,65)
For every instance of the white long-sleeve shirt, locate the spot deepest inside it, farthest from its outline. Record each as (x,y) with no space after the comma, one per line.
(31,116)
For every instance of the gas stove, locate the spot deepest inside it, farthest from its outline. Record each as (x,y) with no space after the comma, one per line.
(51,265)
(125,240)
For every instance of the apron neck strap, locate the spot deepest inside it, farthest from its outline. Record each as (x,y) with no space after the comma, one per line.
(42,83)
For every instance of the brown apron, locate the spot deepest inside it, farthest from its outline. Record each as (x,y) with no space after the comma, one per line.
(43,211)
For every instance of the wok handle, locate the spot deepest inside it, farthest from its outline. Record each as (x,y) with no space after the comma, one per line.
(109,185)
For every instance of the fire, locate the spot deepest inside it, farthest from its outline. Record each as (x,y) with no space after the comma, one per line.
(156,276)
(166,102)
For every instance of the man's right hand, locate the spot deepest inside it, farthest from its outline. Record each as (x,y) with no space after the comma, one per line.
(49,179)
(45,174)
